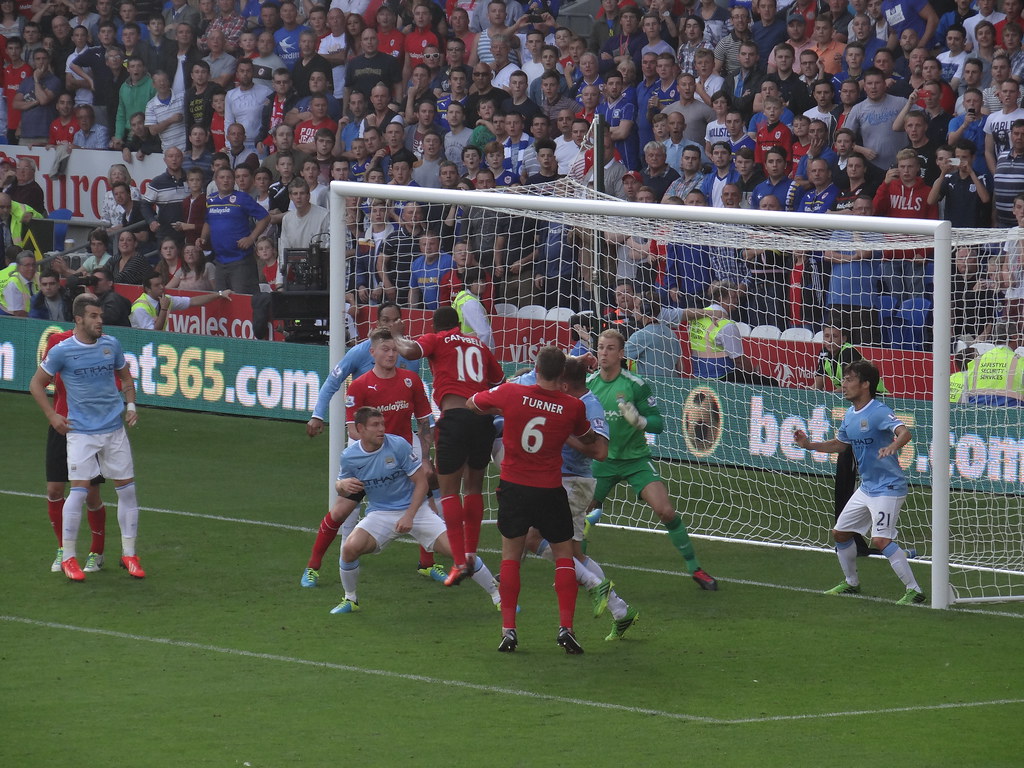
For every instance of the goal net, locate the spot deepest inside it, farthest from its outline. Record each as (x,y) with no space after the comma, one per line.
(799,290)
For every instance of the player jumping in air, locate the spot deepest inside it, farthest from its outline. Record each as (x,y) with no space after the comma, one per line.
(869,427)
(461,365)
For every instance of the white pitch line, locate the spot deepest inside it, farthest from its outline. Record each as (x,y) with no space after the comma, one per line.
(637,568)
(365,670)
(493,689)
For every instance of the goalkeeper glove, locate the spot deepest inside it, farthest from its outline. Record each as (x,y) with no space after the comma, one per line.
(632,415)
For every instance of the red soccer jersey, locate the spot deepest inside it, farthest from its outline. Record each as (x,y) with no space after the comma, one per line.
(63,134)
(391,43)
(400,398)
(537,423)
(13,77)
(415,42)
(60,395)
(768,136)
(461,365)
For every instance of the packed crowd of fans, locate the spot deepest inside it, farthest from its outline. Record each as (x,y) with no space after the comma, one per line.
(900,108)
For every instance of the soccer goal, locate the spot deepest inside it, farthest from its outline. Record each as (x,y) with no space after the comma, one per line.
(727,452)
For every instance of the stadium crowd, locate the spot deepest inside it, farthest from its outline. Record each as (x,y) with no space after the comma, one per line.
(903,108)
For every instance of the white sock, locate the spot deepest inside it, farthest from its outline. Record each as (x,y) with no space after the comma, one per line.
(617,606)
(586,577)
(594,567)
(127,518)
(483,576)
(900,564)
(350,580)
(343,533)
(847,554)
(74,504)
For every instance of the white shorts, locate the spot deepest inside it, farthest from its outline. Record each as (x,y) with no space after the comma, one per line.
(580,491)
(108,454)
(380,524)
(876,515)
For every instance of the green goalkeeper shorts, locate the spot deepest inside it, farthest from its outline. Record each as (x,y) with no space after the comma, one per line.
(639,473)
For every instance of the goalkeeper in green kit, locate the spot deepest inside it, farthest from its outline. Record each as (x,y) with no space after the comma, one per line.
(630,410)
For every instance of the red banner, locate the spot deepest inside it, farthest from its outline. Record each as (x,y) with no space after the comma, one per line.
(222,318)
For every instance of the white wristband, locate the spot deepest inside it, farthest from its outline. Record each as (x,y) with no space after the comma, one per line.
(130,407)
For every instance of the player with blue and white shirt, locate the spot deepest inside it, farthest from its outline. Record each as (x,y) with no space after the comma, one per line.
(876,435)
(354,363)
(578,481)
(96,439)
(385,470)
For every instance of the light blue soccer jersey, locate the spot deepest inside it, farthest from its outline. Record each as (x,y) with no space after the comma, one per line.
(354,363)
(575,463)
(385,473)
(869,430)
(94,404)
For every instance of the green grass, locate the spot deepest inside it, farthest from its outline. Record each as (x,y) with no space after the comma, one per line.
(218,658)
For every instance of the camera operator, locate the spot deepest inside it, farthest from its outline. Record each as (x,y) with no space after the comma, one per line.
(116,308)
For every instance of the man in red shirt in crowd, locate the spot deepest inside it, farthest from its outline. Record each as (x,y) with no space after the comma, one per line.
(57,479)
(65,126)
(539,419)
(904,195)
(14,73)
(462,366)
(398,394)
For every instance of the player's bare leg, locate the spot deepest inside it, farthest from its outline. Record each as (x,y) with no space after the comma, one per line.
(426,565)
(656,495)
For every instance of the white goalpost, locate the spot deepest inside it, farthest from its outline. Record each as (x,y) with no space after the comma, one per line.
(726,451)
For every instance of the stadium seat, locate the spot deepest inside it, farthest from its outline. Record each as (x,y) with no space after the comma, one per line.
(915,312)
(532,312)
(797,334)
(765,332)
(900,335)
(559,314)
(743,328)
(819,337)
(886,306)
(504,309)
(60,228)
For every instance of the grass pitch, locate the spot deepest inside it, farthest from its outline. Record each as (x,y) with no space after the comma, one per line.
(219,658)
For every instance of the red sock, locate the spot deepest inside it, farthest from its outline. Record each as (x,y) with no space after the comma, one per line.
(566,589)
(454,519)
(508,588)
(473,504)
(426,558)
(327,533)
(98,528)
(55,509)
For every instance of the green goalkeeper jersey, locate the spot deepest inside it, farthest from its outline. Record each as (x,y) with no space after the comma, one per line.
(626,441)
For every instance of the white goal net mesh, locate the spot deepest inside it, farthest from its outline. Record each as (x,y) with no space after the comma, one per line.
(801,302)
